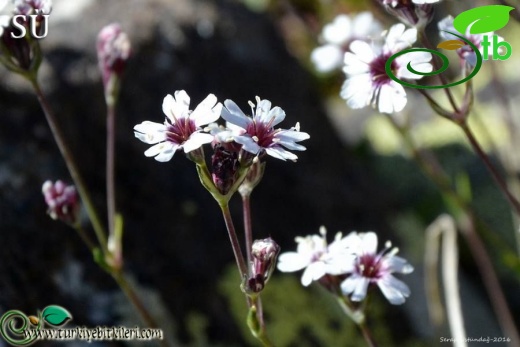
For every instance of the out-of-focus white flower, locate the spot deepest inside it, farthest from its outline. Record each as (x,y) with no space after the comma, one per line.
(369,267)
(337,35)
(317,258)
(466,52)
(367,81)
(425,1)
(258,135)
(182,127)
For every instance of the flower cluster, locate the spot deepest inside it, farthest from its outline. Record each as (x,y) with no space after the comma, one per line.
(369,84)
(337,36)
(354,260)
(242,143)
(19,51)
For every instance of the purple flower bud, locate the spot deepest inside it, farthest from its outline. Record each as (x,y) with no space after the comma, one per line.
(253,177)
(113,49)
(264,253)
(224,168)
(62,201)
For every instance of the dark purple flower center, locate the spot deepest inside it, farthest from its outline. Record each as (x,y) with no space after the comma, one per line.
(264,133)
(369,266)
(378,71)
(181,130)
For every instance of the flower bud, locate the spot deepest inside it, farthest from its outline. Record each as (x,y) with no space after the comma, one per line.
(20,31)
(113,49)
(264,253)
(62,202)
(224,168)
(253,177)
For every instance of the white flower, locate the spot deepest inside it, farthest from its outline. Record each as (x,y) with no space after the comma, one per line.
(182,127)
(316,257)
(338,34)
(466,52)
(370,267)
(258,135)
(369,84)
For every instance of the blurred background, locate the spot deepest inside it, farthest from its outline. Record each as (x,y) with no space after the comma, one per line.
(355,175)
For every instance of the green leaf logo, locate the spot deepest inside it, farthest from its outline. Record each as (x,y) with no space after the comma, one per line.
(483,19)
(56,315)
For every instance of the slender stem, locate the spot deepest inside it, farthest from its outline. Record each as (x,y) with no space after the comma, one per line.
(432,169)
(132,296)
(492,284)
(426,42)
(242,268)
(246,208)
(491,168)
(358,317)
(367,335)
(110,167)
(71,165)
(255,302)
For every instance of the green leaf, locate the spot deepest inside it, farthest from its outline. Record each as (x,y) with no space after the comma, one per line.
(451,45)
(56,315)
(482,19)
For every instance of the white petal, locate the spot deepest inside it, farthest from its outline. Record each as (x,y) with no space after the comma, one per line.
(358,91)
(280,153)
(369,242)
(398,39)
(357,285)
(163,151)
(262,111)
(166,155)
(150,132)
(364,25)
(292,135)
(392,98)
(339,31)
(291,145)
(234,115)
(196,140)
(418,61)
(178,107)
(393,289)
(313,272)
(248,144)
(363,51)
(277,114)
(292,261)
(327,58)
(397,264)
(206,112)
